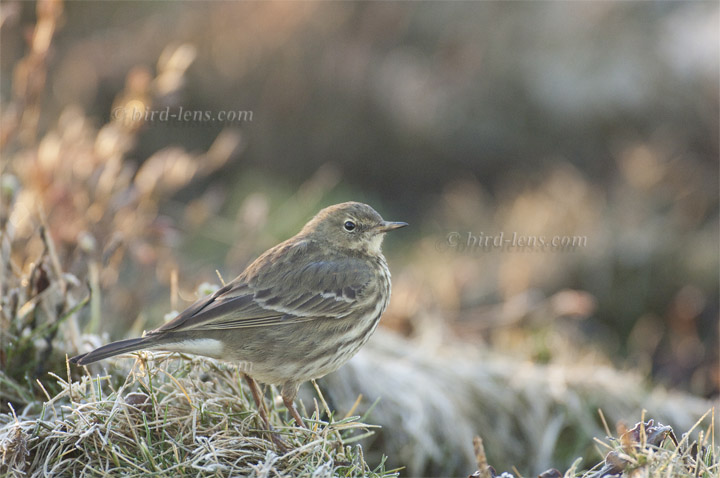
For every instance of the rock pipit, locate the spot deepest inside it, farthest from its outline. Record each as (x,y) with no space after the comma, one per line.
(299,312)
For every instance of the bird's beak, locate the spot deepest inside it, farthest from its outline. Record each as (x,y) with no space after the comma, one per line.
(386,226)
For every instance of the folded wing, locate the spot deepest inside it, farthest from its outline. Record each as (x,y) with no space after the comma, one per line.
(275,294)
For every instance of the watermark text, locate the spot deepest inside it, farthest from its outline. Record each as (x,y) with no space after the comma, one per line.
(179,116)
(468,242)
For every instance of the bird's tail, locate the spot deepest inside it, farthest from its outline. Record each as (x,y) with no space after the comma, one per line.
(110,350)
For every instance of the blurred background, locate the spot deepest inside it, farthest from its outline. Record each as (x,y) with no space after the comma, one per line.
(594,120)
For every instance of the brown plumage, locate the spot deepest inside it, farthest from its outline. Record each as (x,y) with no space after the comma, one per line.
(298,312)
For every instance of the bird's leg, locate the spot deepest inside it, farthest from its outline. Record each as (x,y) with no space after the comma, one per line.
(257,396)
(288,394)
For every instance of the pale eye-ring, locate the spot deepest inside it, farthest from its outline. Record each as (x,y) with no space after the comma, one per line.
(349,225)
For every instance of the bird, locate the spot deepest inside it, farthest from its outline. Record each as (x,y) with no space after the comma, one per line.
(298,312)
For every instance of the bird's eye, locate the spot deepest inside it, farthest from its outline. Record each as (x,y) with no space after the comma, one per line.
(349,226)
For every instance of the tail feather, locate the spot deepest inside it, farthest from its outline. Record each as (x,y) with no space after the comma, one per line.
(110,350)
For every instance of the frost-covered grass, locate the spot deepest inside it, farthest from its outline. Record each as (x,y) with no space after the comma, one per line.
(179,417)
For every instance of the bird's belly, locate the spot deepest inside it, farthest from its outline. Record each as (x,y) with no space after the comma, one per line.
(314,350)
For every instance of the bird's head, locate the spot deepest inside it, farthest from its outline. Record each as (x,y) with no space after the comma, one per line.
(351,225)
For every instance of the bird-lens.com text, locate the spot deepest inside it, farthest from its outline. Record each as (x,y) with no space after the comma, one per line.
(510,242)
(179,115)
